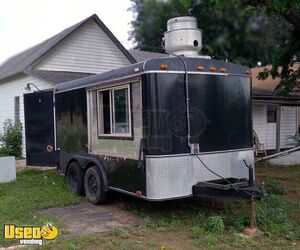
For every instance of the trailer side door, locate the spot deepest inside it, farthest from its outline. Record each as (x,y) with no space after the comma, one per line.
(39,128)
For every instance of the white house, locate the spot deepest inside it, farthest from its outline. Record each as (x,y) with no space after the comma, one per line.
(275,119)
(85,48)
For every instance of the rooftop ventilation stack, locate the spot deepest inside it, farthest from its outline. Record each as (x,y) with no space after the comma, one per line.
(183,37)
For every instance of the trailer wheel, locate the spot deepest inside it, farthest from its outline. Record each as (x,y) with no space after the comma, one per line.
(94,186)
(75,176)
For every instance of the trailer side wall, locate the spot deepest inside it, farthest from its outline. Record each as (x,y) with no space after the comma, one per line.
(71,123)
(120,154)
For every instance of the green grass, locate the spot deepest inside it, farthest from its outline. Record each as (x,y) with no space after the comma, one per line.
(272,186)
(33,190)
(279,172)
(107,241)
(216,216)
(179,224)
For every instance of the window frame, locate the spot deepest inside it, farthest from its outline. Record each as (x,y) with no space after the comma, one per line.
(274,111)
(114,135)
(17,109)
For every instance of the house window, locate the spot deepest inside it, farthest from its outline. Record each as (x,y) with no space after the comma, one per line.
(114,114)
(17,109)
(271,114)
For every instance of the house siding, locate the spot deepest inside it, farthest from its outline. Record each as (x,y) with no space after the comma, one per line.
(8,91)
(260,122)
(267,131)
(88,50)
(288,124)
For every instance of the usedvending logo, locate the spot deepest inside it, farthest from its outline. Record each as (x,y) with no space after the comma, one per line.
(30,235)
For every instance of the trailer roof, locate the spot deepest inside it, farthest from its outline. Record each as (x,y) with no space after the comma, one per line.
(154,65)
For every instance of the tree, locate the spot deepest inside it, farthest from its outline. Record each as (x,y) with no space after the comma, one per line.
(150,22)
(288,52)
(240,33)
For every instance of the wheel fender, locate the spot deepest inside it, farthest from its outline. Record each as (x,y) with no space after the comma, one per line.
(86,161)
(99,165)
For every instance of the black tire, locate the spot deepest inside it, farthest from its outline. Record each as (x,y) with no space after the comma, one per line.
(75,177)
(94,186)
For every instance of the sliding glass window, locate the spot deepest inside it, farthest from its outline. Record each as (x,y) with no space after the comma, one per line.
(114,114)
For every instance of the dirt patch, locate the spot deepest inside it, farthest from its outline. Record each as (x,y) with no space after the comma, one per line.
(86,218)
(21,165)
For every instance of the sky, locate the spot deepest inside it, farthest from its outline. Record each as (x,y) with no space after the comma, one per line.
(25,23)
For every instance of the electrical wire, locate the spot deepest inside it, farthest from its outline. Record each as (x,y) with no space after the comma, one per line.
(220,176)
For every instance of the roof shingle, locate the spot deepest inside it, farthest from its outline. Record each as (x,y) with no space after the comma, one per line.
(57,76)
(141,56)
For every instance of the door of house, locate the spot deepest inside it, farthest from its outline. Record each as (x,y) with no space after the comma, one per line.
(39,128)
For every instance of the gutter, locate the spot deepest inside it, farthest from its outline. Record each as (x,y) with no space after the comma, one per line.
(294,98)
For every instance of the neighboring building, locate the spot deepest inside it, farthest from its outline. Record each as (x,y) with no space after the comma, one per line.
(86,48)
(275,119)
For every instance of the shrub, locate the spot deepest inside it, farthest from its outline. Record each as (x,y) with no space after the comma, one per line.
(215,224)
(273,187)
(274,217)
(2,152)
(211,239)
(11,139)
(198,232)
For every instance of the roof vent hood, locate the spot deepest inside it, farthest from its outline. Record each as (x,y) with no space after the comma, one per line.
(183,37)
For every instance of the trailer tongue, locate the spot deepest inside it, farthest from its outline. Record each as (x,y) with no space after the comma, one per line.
(238,189)
(233,188)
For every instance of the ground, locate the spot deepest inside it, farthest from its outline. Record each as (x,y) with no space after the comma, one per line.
(128,223)
(288,177)
(86,218)
(287,159)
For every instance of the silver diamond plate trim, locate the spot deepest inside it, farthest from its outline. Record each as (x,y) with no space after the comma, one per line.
(174,176)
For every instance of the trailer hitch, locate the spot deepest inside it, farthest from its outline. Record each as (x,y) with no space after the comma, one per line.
(251,173)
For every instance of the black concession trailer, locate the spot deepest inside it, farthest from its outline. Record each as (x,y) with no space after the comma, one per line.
(165,128)
(130,130)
